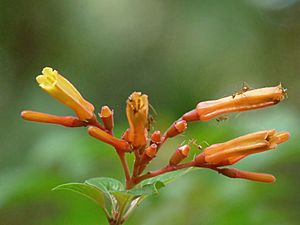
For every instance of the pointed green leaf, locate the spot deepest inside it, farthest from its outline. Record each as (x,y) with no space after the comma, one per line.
(124,200)
(147,189)
(134,203)
(106,184)
(165,178)
(85,190)
(123,197)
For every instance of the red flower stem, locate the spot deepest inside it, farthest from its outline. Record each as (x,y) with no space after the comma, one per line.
(163,170)
(124,163)
(94,122)
(165,137)
(136,165)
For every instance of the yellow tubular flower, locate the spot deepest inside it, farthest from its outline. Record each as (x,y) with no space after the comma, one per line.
(137,114)
(60,88)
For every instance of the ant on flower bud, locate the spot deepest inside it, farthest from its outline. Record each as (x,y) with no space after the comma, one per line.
(222,118)
(244,89)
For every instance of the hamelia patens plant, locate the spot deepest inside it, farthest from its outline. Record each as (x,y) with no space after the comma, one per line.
(118,200)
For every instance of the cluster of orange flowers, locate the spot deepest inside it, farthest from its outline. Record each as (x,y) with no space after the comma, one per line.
(145,146)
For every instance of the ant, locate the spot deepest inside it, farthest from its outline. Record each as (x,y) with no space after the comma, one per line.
(222,118)
(197,145)
(244,89)
(151,118)
(150,122)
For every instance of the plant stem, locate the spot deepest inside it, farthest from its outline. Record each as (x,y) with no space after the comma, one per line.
(124,164)
(163,170)
(94,122)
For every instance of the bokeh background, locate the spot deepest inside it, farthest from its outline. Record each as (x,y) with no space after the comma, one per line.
(179,53)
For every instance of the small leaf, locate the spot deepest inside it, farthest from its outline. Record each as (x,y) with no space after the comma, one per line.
(134,203)
(106,184)
(166,178)
(85,190)
(124,200)
(123,197)
(147,189)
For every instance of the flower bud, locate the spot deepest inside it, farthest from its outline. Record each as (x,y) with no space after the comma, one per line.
(151,151)
(235,173)
(234,150)
(60,88)
(148,155)
(67,121)
(177,128)
(106,115)
(156,137)
(253,99)
(137,115)
(180,154)
(120,145)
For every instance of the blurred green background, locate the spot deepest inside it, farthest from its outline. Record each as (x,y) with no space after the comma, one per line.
(177,52)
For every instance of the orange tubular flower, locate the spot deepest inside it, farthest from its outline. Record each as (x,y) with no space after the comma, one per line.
(180,154)
(234,150)
(67,121)
(107,116)
(177,128)
(137,114)
(254,99)
(120,145)
(148,155)
(235,173)
(60,88)
(156,137)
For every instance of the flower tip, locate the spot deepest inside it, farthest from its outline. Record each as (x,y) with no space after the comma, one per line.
(278,138)
(47,78)
(178,127)
(31,115)
(106,111)
(156,136)
(92,129)
(151,150)
(273,179)
(185,149)
(283,136)
(181,126)
(23,114)
(47,69)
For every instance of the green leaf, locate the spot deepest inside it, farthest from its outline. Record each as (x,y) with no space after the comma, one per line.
(124,200)
(85,190)
(147,189)
(165,178)
(106,184)
(134,203)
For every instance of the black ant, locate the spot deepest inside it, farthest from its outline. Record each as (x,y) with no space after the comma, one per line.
(222,118)
(244,89)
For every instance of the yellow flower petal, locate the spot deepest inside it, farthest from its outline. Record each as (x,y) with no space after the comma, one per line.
(60,88)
